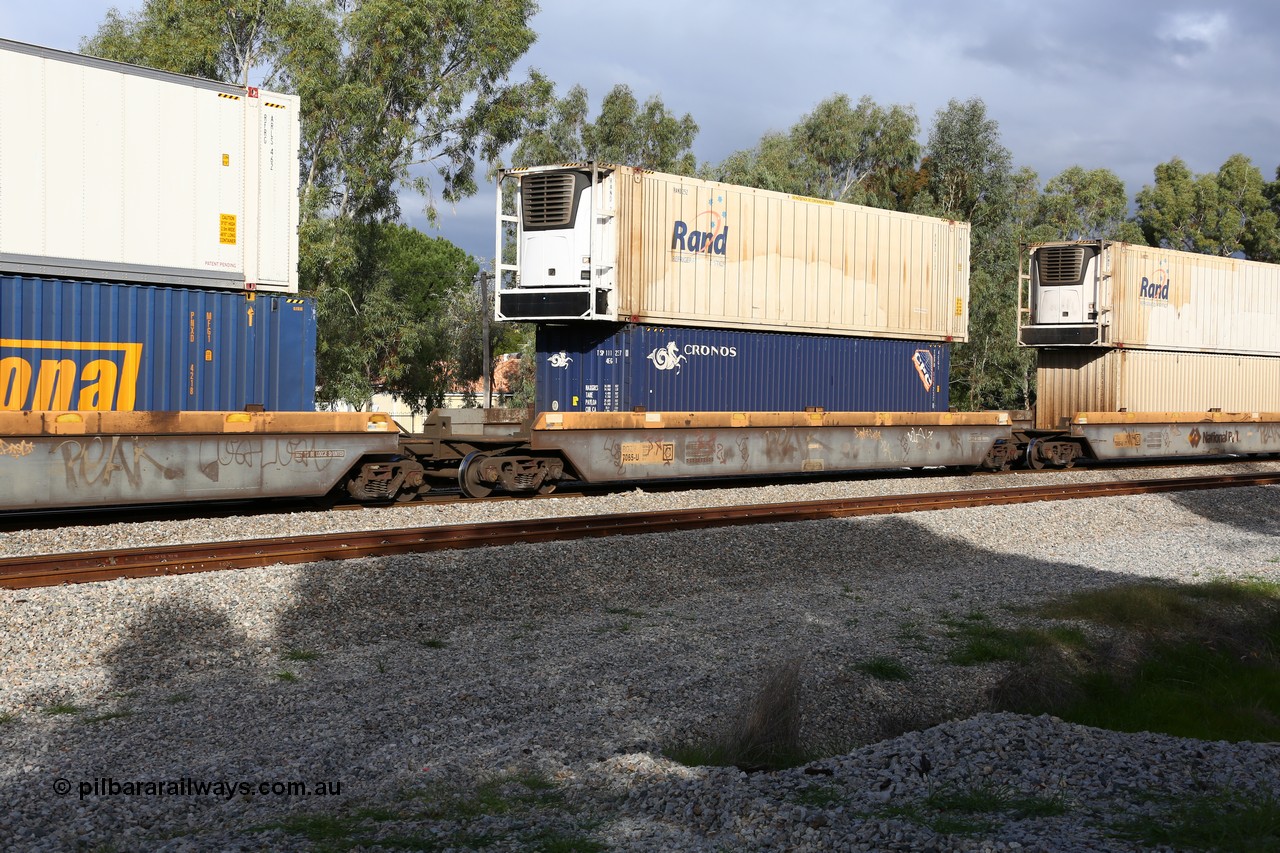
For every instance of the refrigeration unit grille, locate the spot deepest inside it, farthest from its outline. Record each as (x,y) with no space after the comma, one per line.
(1061,264)
(547,200)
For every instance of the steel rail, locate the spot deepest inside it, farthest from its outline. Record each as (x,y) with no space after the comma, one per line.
(47,570)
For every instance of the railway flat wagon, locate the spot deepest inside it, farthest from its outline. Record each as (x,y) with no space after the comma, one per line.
(638,446)
(604,367)
(90,459)
(622,244)
(94,346)
(119,173)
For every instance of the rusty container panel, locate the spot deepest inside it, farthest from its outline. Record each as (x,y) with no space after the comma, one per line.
(1168,300)
(1070,381)
(645,247)
(93,346)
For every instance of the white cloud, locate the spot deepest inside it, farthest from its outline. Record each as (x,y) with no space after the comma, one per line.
(1191,33)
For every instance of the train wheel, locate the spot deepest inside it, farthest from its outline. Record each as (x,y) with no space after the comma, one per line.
(1034,460)
(469,476)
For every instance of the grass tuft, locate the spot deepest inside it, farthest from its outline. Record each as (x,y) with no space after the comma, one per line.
(60,708)
(1245,823)
(301,655)
(286,676)
(1194,661)
(885,669)
(510,793)
(108,715)
(819,796)
(987,797)
(764,733)
(982,642)
(956,810)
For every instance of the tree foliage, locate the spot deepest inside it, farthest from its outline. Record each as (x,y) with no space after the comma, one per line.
(400,318)
(854,153)
(969,176)
(861,154)
(1087,205)
(1218,213)
(649,136)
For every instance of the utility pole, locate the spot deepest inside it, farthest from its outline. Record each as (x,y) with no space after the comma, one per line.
(484,326)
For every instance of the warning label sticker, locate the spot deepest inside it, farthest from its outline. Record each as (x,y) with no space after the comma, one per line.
(227,229)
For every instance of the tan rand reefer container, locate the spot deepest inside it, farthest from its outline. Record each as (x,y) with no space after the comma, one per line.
(1116,294)
(120,173)
(677,250)
(1073,380)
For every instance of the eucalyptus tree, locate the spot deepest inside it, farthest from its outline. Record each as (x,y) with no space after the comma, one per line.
(860,153)
(855,152)
(627,132)
(968,175)
(1218,213)
(1088,205)
(1244,219)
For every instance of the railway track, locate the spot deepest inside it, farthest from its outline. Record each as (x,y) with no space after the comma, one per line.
(49,520)
(47,570)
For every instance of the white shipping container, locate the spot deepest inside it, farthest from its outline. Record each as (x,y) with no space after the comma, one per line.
(1120,295)
(1077,379)
(624,244)
(111,171)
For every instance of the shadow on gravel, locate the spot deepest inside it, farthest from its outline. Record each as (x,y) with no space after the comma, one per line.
(1253,510)
(169,644)
(386,674)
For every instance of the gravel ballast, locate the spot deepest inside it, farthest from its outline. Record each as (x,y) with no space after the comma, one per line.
(509,698)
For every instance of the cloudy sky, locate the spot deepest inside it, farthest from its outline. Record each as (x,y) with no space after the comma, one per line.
(1121,84)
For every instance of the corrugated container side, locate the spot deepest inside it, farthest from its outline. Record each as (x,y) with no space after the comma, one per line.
(786,263)
(114,172)
(1069,381)
(616,368)
(129,347)
(1184,301)
(675,250)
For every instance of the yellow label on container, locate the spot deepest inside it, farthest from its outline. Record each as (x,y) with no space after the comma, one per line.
(226,159)
(208,355)
(227,229)
(959,307)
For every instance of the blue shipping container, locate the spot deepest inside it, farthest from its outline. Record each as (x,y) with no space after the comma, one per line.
(130,347)
(604,367)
